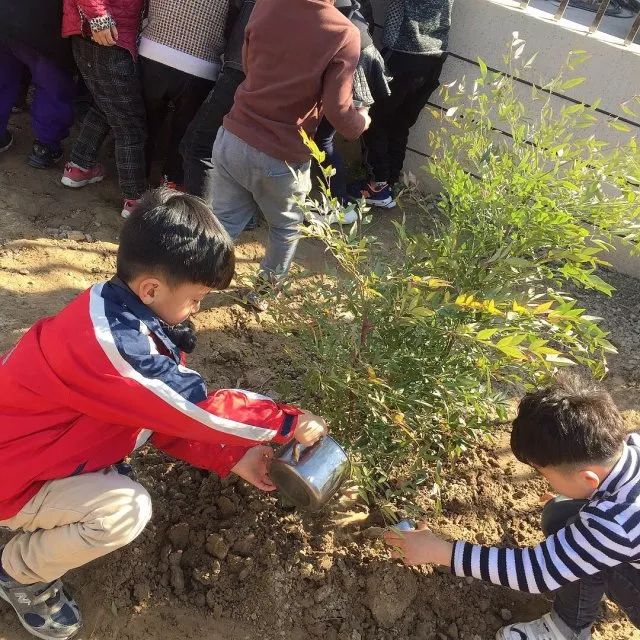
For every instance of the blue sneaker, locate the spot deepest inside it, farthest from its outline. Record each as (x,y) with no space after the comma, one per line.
(374,194)
(44,609)
(44,156)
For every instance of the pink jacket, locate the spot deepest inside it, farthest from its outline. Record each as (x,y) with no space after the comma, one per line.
(81,17)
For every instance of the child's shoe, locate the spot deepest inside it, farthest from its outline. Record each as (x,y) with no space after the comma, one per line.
(76,177)
(6,141)
(45,609)
(545,628)
(129,207)
(44,156)
(375,194)
(345,217)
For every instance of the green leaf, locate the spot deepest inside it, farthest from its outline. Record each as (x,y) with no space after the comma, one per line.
(571,83)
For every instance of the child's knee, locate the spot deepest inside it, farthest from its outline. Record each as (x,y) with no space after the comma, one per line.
(121,521)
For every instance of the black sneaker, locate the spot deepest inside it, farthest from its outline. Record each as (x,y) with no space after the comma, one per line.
(6,141)
(44,156)
(45,609)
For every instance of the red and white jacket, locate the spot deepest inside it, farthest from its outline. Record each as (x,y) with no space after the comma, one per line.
(81,390)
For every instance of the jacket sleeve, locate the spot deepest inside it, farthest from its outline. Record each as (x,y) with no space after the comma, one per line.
(337,89)
(96,14)
(115,374)
(218,458)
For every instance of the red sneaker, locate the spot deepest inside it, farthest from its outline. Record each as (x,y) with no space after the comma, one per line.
(128,208)
(76,177)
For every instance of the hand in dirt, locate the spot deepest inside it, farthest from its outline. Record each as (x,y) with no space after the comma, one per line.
(418,547)
(254,467)
(106,37)
(310,429)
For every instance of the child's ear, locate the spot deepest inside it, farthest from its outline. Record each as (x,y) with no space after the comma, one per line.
(147,290)
(591,478)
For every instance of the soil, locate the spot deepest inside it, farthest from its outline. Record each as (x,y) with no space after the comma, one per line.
(219,560)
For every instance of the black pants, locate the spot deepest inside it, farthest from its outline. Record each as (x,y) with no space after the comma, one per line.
(112,77)
(384,144)
(164,86)
(197,145)
(578,603)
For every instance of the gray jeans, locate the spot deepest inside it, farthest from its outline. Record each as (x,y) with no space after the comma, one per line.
(245,180)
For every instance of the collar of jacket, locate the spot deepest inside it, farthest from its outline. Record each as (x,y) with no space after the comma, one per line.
(120,292)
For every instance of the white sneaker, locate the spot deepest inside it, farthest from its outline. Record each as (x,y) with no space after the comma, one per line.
(542,629)
(346,217)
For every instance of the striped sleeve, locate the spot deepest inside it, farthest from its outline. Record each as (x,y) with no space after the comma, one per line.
(588,546)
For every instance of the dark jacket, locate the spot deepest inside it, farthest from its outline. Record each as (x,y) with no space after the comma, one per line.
(36,23)
(239,14)
(370,82)
(418,26)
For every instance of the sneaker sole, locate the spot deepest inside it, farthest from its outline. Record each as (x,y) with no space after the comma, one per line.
(387,203)
(41,165)
(6,147)
(77,184)
(31,630)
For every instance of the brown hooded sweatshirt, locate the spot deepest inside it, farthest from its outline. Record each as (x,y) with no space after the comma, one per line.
(299,57)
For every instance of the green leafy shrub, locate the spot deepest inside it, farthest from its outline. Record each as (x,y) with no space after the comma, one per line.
(414,349)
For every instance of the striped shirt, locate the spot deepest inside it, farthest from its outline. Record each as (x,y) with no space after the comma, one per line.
(605,534)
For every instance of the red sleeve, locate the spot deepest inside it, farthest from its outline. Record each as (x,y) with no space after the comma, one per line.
(110,372)
(92,9)
(337,89)
(218,458)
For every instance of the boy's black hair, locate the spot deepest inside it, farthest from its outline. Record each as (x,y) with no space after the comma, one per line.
(175,235)
(567,423)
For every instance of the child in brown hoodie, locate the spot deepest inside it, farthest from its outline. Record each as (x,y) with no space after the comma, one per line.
(299,58)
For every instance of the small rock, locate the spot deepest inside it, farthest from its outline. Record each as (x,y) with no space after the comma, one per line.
(177,575)
(142,591)
(207,575)
(226,506)
(322,593)
(245,546)
(373,533)
(89,238)
(24,272)
(76,236)
(469,580)
(179,535)
(506,614)
(452,631)
(216,546)
(484,605)
(256,506)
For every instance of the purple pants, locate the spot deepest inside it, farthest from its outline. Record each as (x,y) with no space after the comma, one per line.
(52,109)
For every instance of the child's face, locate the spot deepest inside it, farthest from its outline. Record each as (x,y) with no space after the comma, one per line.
(173,304)
(577,483)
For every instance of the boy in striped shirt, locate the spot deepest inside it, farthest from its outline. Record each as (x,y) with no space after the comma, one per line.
(575,437)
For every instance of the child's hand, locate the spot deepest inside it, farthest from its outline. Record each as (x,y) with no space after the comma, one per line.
(419,547)
(106,37)
(310,429)
(254,467)
(364,112)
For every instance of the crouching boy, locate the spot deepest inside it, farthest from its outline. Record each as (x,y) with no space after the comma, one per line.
(83,389)
(574,436)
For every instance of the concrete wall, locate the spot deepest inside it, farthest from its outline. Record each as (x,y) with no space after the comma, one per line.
(483,29)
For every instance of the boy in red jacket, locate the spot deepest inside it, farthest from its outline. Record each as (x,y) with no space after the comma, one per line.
(104,37)
(84,388)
